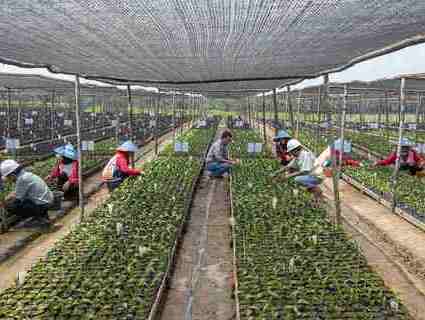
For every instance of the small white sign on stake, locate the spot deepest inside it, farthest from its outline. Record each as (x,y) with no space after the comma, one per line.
(34,113)
(152,123)
(181,147)
(412,126)
(12,144)
(87,145)
(255,147)
(3,113)
(373,126)
(29,121)
(68,122)
(114,123)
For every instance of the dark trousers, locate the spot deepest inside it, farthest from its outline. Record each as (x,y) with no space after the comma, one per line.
(71,193)
(27,208)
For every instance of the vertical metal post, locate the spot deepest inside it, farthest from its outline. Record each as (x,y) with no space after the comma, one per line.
(418,95)
(298,114)
(80,164)
(249,112)
(291,112)
(9,111)
(276,116)
(52,121)
(174,118)
(400,136)
(117,119)
(264,119)
(157,120)
(130,110)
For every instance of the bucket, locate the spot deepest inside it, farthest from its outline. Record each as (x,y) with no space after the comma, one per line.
(57,200)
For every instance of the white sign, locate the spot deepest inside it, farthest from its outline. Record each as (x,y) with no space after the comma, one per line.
(181,147)
(202,123)
(34,113)
(60,114)
(152,123)
(373,125)
(2,113)
(239,124)
(420,147)
(29,121)
(87,145)
(412,126)
(12,144)
(255,147)
(114,123)
(68,122)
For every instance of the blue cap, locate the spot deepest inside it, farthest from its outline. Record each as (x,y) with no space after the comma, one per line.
(282,134)
(69,152)
(127,146)
(59,150)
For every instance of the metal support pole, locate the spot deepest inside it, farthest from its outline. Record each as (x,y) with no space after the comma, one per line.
(417,116)
(276,116)
(9,111)
(130,110)
(400,136)
(174,118)
(156,121)
(298,114)
(52,121)
(264,119)
(80,164)
(291,112)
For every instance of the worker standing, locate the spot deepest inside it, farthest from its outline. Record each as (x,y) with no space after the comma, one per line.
(32,196)
(117,169)
(409,159)
(218,162)
(281,142)
(304,169)
(65,172)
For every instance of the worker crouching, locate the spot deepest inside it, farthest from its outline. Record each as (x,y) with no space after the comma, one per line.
(304,168)
(32,196)
(117,169)
(218,162)
(65,172)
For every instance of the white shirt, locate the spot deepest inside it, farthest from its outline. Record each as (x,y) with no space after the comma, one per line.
(306,162)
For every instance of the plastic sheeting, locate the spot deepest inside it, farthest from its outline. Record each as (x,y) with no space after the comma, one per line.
(185,42)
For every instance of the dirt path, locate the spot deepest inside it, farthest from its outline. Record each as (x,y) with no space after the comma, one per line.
(389,243)
(200,288)
(38,248)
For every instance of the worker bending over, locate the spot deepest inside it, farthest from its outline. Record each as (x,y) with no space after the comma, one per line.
(304,169)
(409,159)
(65,172)
(32,196)
(117,169)
(281,143)
(218,162)
(341,152)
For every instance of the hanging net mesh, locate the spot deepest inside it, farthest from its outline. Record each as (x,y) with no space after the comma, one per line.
(181,43)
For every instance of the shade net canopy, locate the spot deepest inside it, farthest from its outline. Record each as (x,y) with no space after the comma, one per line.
(181,43)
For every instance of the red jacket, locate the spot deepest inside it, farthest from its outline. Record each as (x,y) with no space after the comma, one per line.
(346,159)
(122,161)
(58,170)
(412,159)
(281,152)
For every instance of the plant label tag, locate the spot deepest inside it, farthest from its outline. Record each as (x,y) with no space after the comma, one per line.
(251,147)
(29,121)
(114,123)
(373,125)
(84,145)
(185,147)
(258,147)
(3,113)
(68,122)
(12,144)
(412,126)
(34,113)
(152,123)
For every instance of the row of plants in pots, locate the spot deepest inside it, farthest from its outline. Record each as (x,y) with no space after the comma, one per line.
(292,263)
(410,191)
(112,264)
(241,138)
(197,140)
